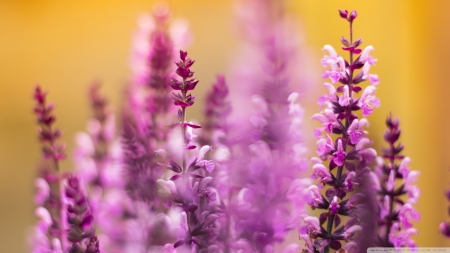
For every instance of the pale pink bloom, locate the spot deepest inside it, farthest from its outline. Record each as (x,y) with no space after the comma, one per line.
(403,237)
(355,130)
(337,70)
(43,191)
(351,247)
(339,155)
(292,248)
(384,207)
(331,97)
(45,220)
(406,214)
(322,173)
(312,225)
(351,231)
(348,183)
(404,167)
(332,55)
(390,184)
(324,145)
(368,101)
(314,198)
(365,57)
(367,154)
(328,120)
(344,100)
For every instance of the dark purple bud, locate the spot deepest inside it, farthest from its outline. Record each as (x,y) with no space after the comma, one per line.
(357,43)
(175,167)
(350,48)
(444,227)
(358,78)
(87,220)
(188,63)
(352,16)
(190,84)
(192,125)
(343,13)
(190,147)
(179,115)
(345,42)
(183,72)
(183,55)
(192,208)
(336,245)
(447,194)
(337,221)
(330,193)
(175,84)
(175,177)
(357,51)
(323,217)
(356,89)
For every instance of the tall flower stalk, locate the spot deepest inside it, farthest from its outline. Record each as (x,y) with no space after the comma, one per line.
(344,158)
(49,196)
(191,193)
(395,212)
(267,151)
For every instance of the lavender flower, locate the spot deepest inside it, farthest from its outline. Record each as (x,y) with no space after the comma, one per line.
(267,151)
(347,152)
(50,232)
(395,214)
(97,159)
(192,193)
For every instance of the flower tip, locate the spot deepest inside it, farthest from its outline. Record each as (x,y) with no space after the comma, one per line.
(343,13)
(352,16)
(183,55)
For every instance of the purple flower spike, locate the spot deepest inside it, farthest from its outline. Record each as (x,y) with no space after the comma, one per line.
(50,232)
(346,153)
(396,213)
(79,216)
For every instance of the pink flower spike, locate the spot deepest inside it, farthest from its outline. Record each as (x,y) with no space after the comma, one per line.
(339,155)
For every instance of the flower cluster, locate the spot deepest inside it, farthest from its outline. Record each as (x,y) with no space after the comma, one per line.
(151,191)
(347,152)
(63,214)
(79,219)
(395,213)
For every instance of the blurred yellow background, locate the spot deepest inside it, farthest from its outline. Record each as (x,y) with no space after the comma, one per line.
(64,45)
